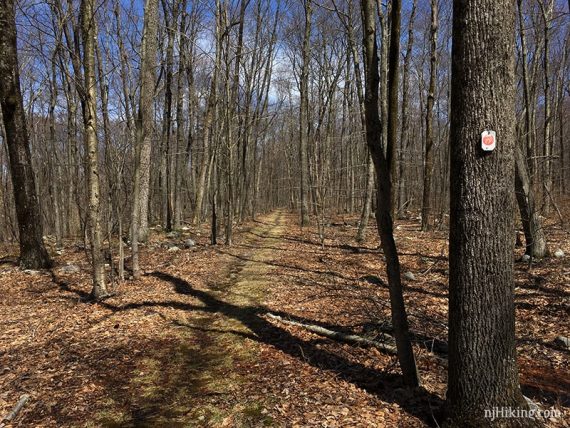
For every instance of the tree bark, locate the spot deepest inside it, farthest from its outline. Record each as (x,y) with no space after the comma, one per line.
(535,240)
(33,254)
(405,135)
(546,7)
(529,129)
(144,127)
(367,206)
(304,114)
(89,108)
(208,120)
(482,372)
(428,165)
(178,157)
(170,12)
(383,215)
(393,81)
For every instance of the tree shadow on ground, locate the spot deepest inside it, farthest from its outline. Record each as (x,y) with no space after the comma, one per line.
(374,280)
(385,386)
(537,284)
(286,266)
(388,387)
(11,261)
(355,249)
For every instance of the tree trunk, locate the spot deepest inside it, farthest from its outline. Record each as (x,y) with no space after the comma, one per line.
(367,207)
(405,136)
(144,127)
(428,165)
(304,115)
(55,169)
(208,121)
(383,216)
(532,225)
(89,107)
(546,7)
(33,254)
(529,130)
(178,157)
(482,372)
(170,20)
(393,81)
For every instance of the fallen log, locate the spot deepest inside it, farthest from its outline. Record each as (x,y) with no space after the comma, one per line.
(336,335)
(12,415)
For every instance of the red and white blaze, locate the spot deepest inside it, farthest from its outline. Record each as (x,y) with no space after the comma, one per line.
(488,140)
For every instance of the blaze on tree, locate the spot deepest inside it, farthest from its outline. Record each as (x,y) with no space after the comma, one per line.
(33,254)
(482,369)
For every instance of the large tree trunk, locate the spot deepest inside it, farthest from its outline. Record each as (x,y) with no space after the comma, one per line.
(33,254)
(482,372)
(383,215)
(428,165)
(89,106)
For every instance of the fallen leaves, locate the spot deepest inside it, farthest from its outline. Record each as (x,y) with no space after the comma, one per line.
(196,349)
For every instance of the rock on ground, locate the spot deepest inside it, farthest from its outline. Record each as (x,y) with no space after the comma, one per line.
(70,269)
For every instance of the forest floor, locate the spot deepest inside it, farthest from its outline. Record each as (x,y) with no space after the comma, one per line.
(191,343)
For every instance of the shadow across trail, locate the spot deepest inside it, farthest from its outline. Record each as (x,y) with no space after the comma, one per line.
(388,387)
(246,259)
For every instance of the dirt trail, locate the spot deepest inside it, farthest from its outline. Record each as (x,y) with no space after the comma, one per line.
(223,341)
(250,276)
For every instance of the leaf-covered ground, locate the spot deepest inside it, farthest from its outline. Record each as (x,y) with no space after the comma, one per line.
(190,344)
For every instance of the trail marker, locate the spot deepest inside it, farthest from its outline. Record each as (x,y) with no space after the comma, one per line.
(488,140)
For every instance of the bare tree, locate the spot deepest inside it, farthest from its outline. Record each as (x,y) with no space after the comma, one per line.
(209,115)
(383,215)
(428,164)
(546,7)
(536,246)
(304,112)
(393,93)
(33,254)
(88,94)
(405,137)
(144,128)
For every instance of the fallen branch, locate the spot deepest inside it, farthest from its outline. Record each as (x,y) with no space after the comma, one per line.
(12,415)
(349,338)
